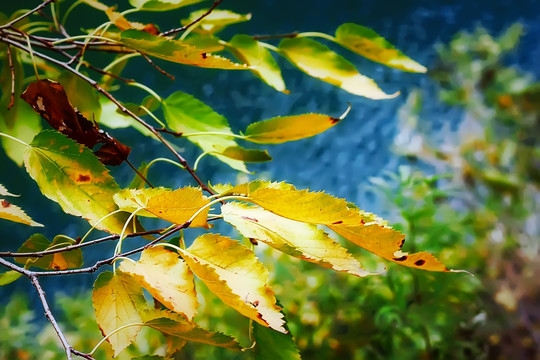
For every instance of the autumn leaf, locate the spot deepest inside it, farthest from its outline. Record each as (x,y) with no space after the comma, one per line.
(166,277)
(71,259)
(318,61)
(216,21)
(118,301)
(177,206)
(232,272)
(176,325)
(123,24)
(289,128)
(298,239)
(251,52)
(69,174)
(371,45)
(14,213)
(246,155)
(161,5)
(175,51)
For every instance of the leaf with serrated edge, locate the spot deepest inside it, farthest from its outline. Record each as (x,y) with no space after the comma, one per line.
(166,277)
(14,213)
(4,191)
(289,128)
(298,239)
(214,22)
(68,173)
(175,51)
(251,52)
(271,345)
(175,325)
(189,115)
(161,5)
(233,273)
(318,61)
(371,45)
(363,229)
(118,300)
(176,206)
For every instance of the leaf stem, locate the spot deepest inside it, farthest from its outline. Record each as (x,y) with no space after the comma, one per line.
(112,333)
(14,139)
(317,34)
(147,89)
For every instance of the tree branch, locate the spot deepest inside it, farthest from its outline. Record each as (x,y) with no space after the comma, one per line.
(12,71)
(185,27)
(25,15)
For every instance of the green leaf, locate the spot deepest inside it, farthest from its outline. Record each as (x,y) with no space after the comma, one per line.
(261,62)
(69,174)
(175,51)
(317,60)
(246,155)
(8,277)
(71,259)
(289,128)
(204,42)
(216,21)
(161,5)
(177,326)
(82,95)
(232,272)
(272,345)
(188,115)
(298,239)
(118,301)
(371,45)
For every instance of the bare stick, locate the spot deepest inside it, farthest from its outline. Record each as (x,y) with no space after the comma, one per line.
(185,27)
(139,173)
(12,71)
(36,9)
(277,36)
(155,66)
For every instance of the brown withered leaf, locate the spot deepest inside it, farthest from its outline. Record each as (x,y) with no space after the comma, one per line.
(48,98)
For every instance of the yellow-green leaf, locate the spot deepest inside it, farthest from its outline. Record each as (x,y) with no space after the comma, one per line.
(289,128)
(246,155)
(298,239)
(177,326)
(82,95)
(233,273)
(251,52)
(175,51)
(8,277)
(14,213)
(70,174)
(319,61)
(118,301)
(166,277)
(371,45)
(161,5)
(176,206)
(71,259)
(205,42)
(216,21)
(189,115)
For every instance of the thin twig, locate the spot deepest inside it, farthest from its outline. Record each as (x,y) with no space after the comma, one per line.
(12,71)
(173,133)
(139,173)
(185,27)
(81,354)
(276,36)
(37,8)
(153,64)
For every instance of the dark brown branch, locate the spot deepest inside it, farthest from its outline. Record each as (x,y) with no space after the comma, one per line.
(153,64)
(76,246)
(12,71)
(36,9)
(173,133)
(185,27)
(139,173)
(277,36)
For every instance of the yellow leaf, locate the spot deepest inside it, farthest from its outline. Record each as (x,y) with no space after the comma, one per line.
(233,273)
(14,213)
(176,206)
(319,61)
(166,277)
(5,192)
(216,21)
(118,301)
(298,239)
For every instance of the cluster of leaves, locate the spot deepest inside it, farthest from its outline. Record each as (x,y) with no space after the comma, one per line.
(68,172)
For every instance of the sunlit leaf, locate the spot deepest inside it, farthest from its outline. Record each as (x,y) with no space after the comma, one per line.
(124,24)
(216,21)
(317,60)
(371,45)
(233,273)
(4,191)
(289,128)
(298,239)
(71,259)
(177,326)
(205,42)
(118,301)
(176,206)
(175,51)
(68,173)
(14,213)
(8,277)
(251,52)
(272,345)
(188,115)
(166,277)
(113,118)
(161,5)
